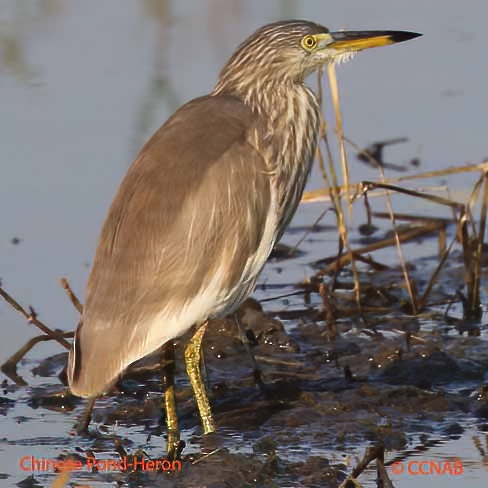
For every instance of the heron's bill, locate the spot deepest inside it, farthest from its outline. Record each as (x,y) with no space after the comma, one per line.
(359,40)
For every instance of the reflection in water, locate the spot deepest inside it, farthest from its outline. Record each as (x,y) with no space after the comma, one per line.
(161,89)
(289,9)
(16,25)
(225,19)
(228,23)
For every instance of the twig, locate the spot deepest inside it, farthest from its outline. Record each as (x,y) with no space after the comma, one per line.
(32,319)
(71,295)
(319,195)
(403,236)
(206,456)
(309,231)
(413,193)
(9,367)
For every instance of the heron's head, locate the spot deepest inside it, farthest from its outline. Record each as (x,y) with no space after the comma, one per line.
(288,51)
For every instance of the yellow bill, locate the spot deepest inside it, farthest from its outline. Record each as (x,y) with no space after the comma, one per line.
(359,40)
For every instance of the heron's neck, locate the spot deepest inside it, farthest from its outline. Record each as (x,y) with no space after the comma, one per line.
(286,132)
(262,95)
(288,116)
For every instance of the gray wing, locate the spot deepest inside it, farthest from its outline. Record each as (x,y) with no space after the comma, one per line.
(184,239)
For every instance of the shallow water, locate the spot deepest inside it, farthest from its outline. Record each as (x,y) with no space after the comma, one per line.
(84,83)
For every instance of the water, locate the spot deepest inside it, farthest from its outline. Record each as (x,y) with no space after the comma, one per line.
(84,83)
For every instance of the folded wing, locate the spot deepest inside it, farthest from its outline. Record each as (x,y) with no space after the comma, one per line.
(189,230)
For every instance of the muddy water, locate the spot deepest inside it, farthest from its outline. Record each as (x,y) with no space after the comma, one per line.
(82,85)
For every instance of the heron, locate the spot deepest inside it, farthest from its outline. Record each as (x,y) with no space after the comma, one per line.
(200,209)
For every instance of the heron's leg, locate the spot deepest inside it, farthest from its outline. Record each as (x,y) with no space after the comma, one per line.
(258,377)
(193,354)
(81,427)
(168,379)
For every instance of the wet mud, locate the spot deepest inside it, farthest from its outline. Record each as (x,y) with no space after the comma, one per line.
(331,383)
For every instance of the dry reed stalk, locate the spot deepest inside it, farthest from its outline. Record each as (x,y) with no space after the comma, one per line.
(375,246)
(472,251)
(334,89)
(322,194)
(372,185)
(433,279)
(74,299)
(334,192)
(476,301)
(322,130)
(410,287)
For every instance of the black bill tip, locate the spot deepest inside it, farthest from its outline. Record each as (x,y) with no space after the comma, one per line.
(402,36)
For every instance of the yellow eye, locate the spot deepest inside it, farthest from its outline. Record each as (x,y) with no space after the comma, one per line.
(309,42)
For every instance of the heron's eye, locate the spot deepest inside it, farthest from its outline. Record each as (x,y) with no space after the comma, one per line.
(309,42)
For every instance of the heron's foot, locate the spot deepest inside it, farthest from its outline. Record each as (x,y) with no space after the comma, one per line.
(247,338)
(175,445)
(81,426)
(193,354)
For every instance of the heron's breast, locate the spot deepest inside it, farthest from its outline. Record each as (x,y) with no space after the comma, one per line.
(295,151)
(254,264)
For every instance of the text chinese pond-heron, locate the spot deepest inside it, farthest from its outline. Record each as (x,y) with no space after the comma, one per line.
(201,208)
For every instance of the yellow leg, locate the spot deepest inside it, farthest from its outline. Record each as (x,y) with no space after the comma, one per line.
(81,427)
(171,423)
(168,360)
(193,354)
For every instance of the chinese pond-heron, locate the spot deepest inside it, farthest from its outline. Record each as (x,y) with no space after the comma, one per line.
(202,206)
